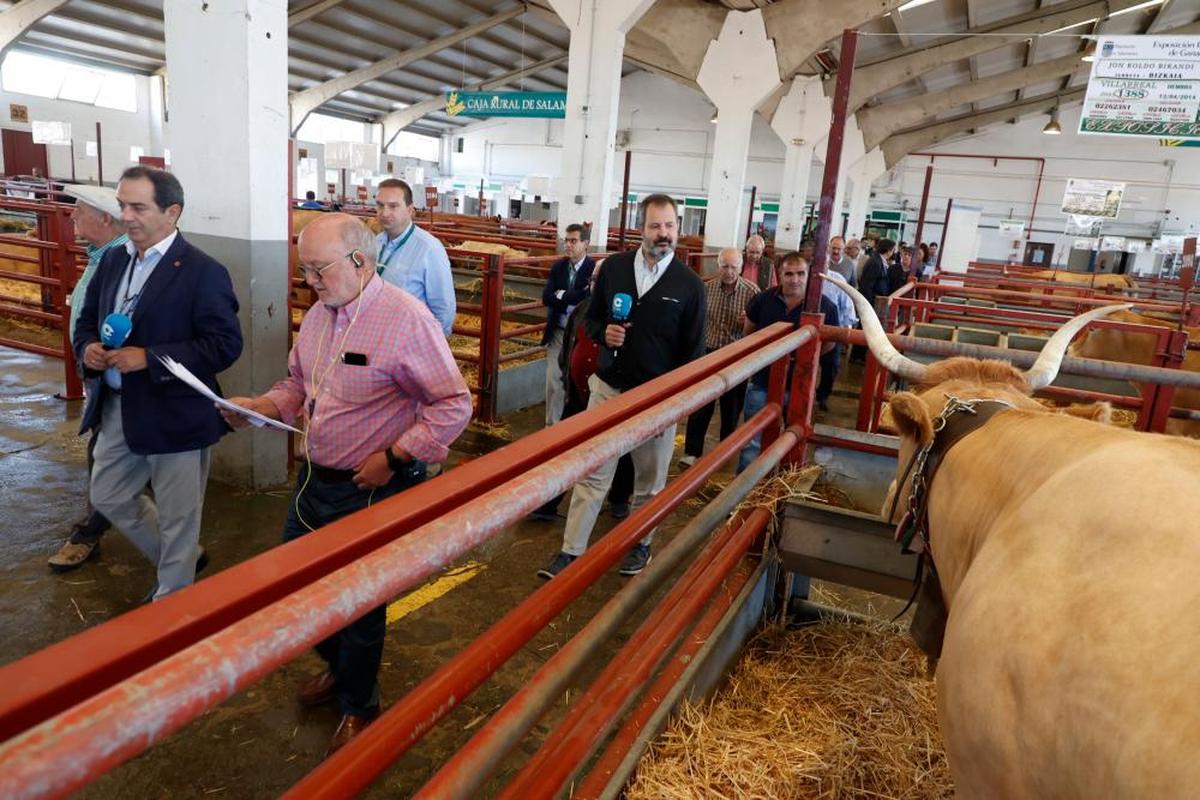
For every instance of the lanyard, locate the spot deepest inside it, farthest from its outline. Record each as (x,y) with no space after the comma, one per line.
(129,302)
(391,250)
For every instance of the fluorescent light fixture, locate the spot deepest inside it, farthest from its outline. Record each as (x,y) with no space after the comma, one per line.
(1138,7)
(1089,55)
(913,4)
(1053,128)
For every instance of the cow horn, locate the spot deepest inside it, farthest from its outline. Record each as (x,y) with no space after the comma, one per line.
(892,359)
(1045,369)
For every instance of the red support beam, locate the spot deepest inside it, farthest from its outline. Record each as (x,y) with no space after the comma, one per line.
(833,160)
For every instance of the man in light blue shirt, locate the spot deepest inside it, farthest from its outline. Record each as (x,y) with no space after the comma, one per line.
(97,219)
(410,257)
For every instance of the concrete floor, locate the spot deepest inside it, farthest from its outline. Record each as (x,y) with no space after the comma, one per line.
(260,742)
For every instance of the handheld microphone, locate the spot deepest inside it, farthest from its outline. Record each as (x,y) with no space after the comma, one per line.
(115,330)
(622,304)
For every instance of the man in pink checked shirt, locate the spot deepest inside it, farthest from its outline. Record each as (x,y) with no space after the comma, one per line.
(372,383)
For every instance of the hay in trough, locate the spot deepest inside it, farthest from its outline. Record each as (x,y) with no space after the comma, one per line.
(826,711)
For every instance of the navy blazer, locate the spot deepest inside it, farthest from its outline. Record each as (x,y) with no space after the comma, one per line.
(188,311)
(572,292)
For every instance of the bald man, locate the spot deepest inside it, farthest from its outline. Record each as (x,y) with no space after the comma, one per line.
(757,268)
(728,295)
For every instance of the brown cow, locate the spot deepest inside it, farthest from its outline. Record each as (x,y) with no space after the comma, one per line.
(1069,668)
(1111,344)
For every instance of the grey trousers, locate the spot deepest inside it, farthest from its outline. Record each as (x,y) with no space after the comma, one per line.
(167,528)
(651,460)
(556,390)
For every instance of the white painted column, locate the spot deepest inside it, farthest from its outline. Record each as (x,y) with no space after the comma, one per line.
(801,119)
(229,150)
(598,29)
(852,151)
(739,72)
(862,175)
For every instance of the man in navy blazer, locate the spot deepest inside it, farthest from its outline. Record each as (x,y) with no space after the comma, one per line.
(153,428)
(569,282)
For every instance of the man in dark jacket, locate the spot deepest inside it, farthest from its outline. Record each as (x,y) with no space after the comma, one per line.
(153,427)
(568,284)
(663,329)
(874,278)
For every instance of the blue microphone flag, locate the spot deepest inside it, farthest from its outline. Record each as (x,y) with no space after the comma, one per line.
(115,330)
(622,304)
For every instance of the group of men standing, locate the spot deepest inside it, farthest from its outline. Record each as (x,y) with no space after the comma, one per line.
(648,314)
(370,380)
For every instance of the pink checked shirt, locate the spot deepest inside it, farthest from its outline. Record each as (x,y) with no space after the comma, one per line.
(410,392)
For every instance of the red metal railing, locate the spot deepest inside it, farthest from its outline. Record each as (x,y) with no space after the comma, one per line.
(58,270)
(169,644)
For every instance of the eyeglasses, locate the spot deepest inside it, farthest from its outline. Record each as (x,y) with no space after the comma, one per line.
(306,272)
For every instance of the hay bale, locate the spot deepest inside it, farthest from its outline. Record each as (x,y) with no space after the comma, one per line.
(828,711)
(490,247)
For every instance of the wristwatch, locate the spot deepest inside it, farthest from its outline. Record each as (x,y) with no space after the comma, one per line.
(395,463)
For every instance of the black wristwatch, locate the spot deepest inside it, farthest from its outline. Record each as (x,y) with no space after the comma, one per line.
(395,463)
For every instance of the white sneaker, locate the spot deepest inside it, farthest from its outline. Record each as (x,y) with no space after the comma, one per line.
(687,461)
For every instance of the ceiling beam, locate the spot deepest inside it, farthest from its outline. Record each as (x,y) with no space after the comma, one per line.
(304,103)
(15,21)
(899,145)
(885,74)
(398,120)
(879,122)
(305,14)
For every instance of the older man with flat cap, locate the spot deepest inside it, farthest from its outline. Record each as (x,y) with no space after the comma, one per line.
(97,219)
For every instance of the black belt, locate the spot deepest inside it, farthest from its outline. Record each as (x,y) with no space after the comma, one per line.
(330,475)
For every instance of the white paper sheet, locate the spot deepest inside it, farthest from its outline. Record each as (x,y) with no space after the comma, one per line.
(185,375)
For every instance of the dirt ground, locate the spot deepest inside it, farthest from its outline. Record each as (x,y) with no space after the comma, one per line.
(260,742)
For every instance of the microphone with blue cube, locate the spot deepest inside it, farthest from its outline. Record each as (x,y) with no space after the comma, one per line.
(115,330)
(622,304)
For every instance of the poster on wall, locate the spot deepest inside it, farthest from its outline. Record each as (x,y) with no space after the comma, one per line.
(1169,244)
(1079,225)
(1091,198)
(1085,244)
(1012,228)
(51,132)
(1112,243)
(1144,86)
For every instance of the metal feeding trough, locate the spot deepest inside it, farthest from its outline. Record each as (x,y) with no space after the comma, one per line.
(842,545)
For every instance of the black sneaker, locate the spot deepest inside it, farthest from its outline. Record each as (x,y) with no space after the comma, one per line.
(618,510)
(556,565)
(542,515)
(636,560)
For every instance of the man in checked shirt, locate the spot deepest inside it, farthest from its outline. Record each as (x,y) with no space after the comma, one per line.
(373,385)
(728,295)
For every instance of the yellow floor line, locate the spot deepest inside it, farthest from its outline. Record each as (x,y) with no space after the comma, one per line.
(432,591)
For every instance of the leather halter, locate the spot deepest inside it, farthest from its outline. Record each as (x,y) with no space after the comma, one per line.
(958,419)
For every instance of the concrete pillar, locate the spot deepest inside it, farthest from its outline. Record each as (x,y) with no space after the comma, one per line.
(862,175)
(229,150)
(800,120)
(598,29)
(852,151)
(739,72)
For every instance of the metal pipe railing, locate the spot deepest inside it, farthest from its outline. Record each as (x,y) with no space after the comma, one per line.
(352,768)
(57,677)
(466,772)
(567,747)
(65,752)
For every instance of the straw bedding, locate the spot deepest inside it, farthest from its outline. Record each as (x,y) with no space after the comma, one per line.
(826,711)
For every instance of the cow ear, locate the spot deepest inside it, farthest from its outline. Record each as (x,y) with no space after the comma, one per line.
(910,417)
(1097,412)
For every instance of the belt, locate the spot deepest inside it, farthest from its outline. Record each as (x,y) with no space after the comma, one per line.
(330,475)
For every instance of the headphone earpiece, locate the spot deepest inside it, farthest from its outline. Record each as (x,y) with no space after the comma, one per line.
(357,258)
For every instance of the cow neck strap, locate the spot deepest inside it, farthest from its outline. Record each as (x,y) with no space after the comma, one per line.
(958,419)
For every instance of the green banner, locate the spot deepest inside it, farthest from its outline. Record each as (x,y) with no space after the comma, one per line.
(506,104)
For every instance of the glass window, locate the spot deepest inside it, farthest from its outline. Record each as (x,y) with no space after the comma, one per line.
(415,145)
(25,73)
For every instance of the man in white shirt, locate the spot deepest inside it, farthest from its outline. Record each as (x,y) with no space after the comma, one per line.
(410,257)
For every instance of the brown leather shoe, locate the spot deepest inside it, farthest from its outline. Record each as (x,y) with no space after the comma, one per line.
(71,555)
(317,690)
(347,729)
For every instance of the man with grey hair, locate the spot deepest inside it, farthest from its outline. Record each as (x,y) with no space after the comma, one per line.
(97,220)
(372,382)
(757,268)
(841,262)
(728,294)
